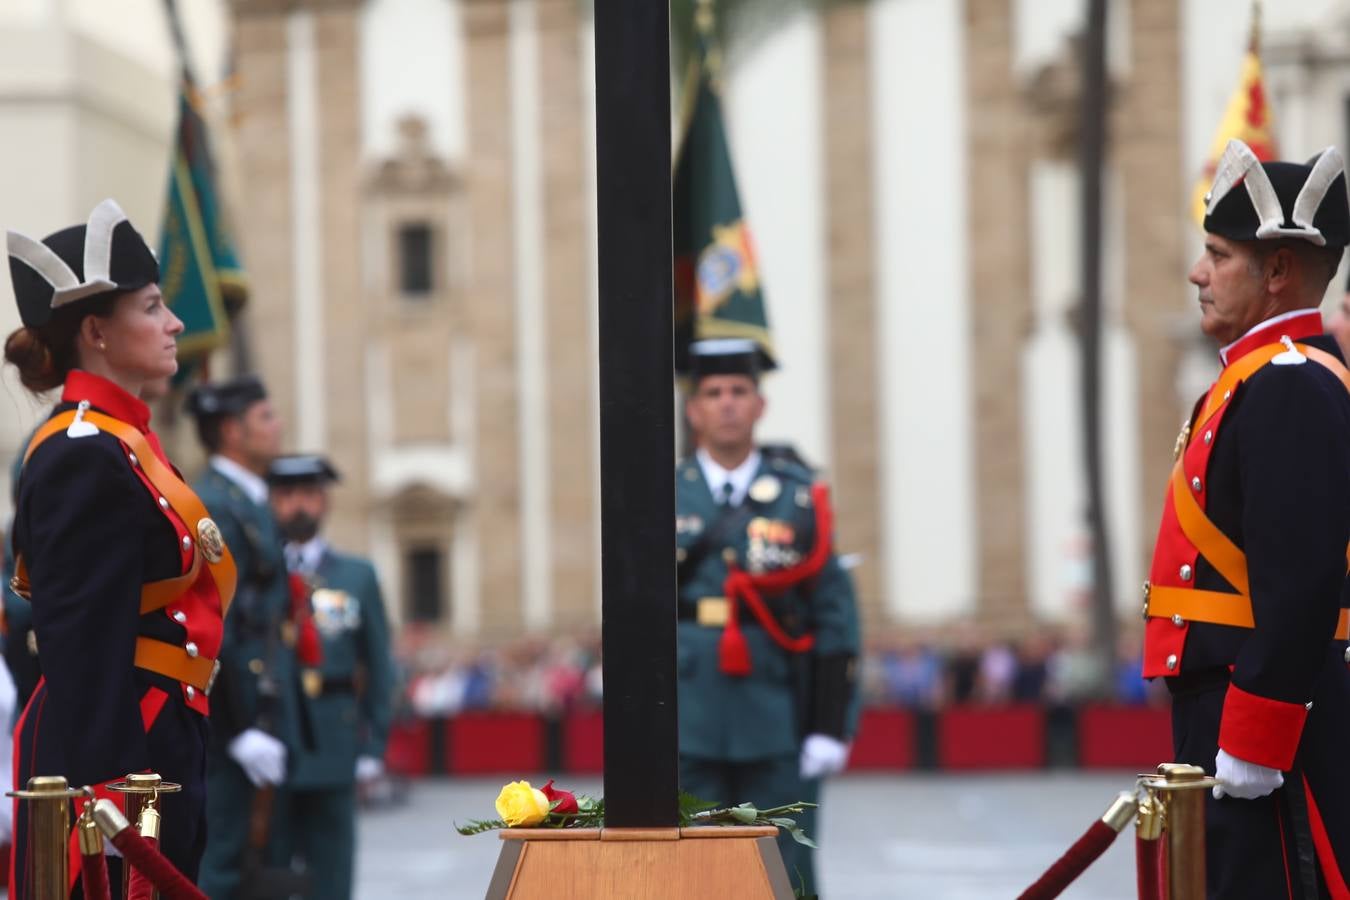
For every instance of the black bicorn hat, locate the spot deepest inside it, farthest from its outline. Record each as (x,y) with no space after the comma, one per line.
(105,255)
(225,398)
(725,356)
(301,468)
(1279,200)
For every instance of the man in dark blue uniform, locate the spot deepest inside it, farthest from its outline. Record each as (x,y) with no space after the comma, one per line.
(349,699)
(1246,595)
(255,721)
(768,632)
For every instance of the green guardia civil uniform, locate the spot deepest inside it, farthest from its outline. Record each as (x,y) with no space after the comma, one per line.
(741,734)
(350,704)
(258,685)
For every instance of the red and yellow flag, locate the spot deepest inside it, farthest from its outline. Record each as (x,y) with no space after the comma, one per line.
(1247,118)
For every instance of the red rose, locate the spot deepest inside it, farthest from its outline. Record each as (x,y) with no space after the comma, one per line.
(566,800)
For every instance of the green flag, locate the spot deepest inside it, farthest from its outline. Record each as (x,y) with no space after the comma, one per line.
(200,273)
(717,288)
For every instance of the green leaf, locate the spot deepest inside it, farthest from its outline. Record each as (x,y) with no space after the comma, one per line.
(800,836)
(478,826)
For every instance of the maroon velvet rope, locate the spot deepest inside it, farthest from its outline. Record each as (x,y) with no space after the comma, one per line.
(94,875)
(1148,863)
(142,856)
(139,886)
(1082,854)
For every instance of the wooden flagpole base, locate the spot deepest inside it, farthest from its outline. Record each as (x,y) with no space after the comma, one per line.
(639,864)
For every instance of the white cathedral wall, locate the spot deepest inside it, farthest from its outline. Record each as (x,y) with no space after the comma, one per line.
(923,332)
(412,61)
(1057,536)
(773,114)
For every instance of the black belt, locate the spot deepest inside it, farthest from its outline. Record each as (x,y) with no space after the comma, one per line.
(345,685)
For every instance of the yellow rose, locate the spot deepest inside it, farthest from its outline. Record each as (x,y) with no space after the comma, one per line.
(521,805)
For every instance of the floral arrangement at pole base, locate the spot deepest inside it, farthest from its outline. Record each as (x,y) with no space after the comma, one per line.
(519,805)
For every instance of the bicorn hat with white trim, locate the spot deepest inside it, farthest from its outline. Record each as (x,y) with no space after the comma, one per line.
(1255,201)
(106,255)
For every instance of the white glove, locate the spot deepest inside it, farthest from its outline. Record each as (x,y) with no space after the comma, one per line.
(823,755)
(261,756)
(368,768)
(1243,780)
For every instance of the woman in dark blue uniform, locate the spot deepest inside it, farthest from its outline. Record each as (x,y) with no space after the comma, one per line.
(128,579)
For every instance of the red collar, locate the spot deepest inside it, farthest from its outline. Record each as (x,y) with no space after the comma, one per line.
(103,395)
(1295,326)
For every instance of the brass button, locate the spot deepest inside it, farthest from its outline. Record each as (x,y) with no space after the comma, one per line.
(191,649)
(163,503)
(1195,483)
(1185,573)
(1227,395)
(1347,654)
(1171,662)
(187,542)
(134,460)
(1209,437)
(1308,705)
(179,616)
(191,692)
(256,666)
(1177,620)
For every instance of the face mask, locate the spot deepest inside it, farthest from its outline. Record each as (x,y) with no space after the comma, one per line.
(299,528)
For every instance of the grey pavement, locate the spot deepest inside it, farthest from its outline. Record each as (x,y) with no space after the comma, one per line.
(937,837)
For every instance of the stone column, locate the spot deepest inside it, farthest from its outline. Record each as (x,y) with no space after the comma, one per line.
(491,309)
(263,215)
(851,302)
(570,346)
(347,310)
(1001,294)
(1147,142)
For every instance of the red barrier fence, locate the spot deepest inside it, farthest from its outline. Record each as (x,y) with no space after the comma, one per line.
(991,737)
(962,738)
(1123,737)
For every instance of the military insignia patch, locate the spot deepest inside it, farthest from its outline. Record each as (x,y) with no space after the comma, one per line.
(210,540)
(765,489)
(688,524)
(335,611)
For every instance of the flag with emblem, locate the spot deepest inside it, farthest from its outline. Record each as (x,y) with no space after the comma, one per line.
(1247,118)
(717,287)
(200,274)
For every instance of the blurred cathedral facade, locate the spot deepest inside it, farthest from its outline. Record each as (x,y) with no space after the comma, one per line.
(412,185)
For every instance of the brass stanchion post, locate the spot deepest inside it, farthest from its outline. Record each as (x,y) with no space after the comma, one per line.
(1182,789)
(142,791)
(48,798)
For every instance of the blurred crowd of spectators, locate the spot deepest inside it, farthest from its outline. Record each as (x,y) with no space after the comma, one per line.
(922,671)
(1047,666)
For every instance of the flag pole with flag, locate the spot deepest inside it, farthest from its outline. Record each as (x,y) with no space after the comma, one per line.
(201,278)
(1247,118)
(717,286)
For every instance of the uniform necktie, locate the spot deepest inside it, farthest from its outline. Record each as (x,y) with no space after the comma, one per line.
(727,490)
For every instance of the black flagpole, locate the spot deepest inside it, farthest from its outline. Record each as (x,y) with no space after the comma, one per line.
(637,421)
